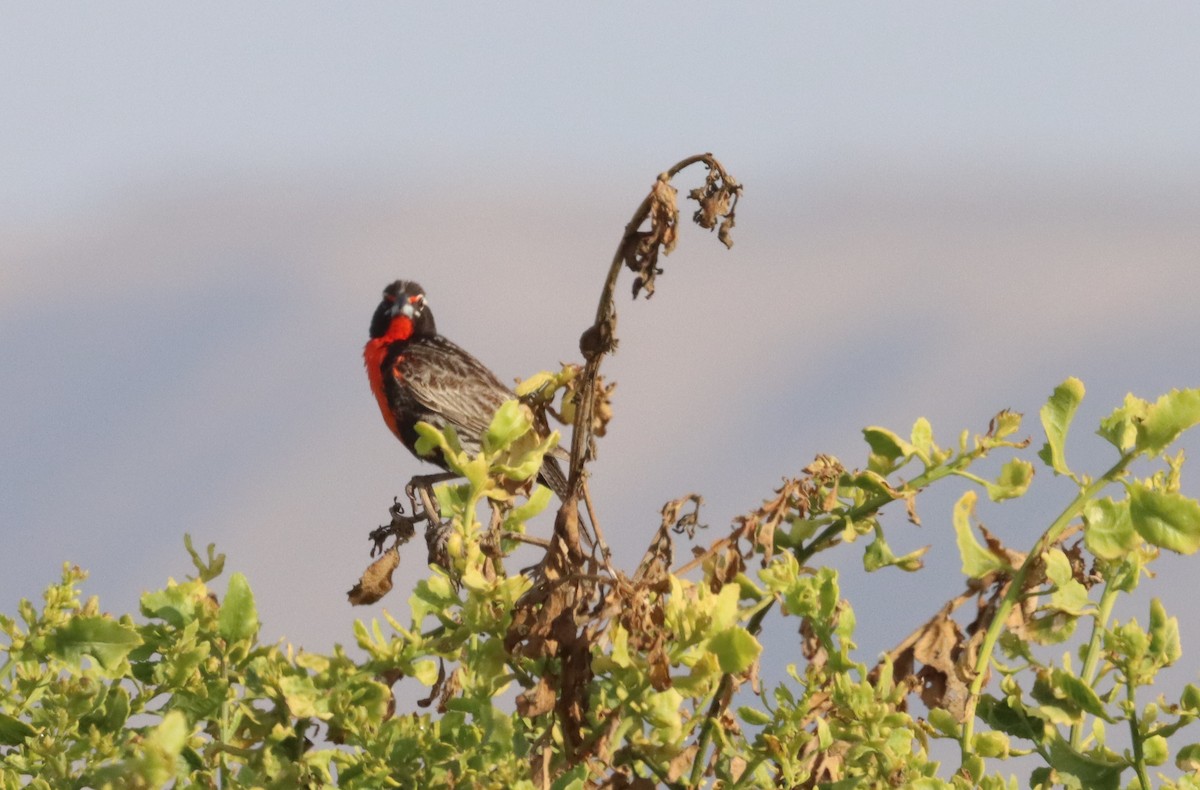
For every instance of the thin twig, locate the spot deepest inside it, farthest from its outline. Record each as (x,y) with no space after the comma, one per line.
(605,552)
(700,558)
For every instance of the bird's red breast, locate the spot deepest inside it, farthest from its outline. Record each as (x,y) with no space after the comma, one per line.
(374,354)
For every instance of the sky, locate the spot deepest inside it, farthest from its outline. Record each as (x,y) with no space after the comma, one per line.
(949,208)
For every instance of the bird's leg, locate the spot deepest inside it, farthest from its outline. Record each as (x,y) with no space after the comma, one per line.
(422,486)
(436,532)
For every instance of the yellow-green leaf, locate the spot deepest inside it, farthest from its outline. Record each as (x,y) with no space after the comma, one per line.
(1056,420)
(510,423)
(1171,415)
(977,561)
(1167,520)
(1108,530)
(238,618)
(735,648)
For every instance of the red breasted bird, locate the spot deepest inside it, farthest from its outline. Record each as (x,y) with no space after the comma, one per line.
(419,376)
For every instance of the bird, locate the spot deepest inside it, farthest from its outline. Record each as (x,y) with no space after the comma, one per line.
(417,375)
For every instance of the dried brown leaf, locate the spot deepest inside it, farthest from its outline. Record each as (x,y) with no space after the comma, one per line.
(538,700)
(811,646)
(723,566)
(376,580)
(681,763)
(660,666)
(723,232)
(602,411)
(641,249)
(718,200)
(437,686)
(1014,558)
(664,215)
(941,648)
(910,505)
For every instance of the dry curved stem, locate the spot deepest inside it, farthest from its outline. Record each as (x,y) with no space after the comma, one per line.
(639,249)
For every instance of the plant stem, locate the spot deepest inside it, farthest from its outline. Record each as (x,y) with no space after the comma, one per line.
(1099,624)
(1016,589)
(1135,735)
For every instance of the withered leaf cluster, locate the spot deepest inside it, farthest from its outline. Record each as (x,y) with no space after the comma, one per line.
(549,622)
(718,201)
(795,499)
(641,248)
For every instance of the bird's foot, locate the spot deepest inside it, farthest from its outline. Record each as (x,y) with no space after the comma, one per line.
(424,504)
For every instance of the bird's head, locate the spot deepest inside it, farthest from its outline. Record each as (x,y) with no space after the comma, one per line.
(403,313)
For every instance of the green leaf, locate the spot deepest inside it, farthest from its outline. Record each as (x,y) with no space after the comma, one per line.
(663,709)
(102,638)
(302,697)
(753,716)
(912,561)
(14,731)
(1006,423)
(1014,480)
(1190,699)
(1011,717)
(510,423)
(824,736)
(1121,427)
(527,464)
(175,605)
(990,744)
(877,554)
(1108,530)
(1051,627)
(534,383)
(208,570)
(425,671)
(1069,595)
(1155,750)
(1164,635)
(1093,771)
(1167,520)
(944,722)
(735,649)
(1080,693)
(520,514)
(977,561)
(922,438)
(430,439)
(1056,420)
(1188,758)
(238,618)
(886,443)
(1171,415)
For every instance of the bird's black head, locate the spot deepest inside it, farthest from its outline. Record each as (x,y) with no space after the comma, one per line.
(404,300)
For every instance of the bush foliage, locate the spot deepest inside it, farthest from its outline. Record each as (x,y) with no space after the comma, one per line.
(575,674)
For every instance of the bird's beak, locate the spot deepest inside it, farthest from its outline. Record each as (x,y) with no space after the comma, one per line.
(413,306)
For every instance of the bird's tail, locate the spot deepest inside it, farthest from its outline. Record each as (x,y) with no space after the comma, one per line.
(552,475)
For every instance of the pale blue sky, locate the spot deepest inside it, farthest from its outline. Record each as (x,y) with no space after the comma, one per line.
(950,208)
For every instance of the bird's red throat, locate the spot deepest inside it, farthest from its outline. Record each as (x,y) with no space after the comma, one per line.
(374,353)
